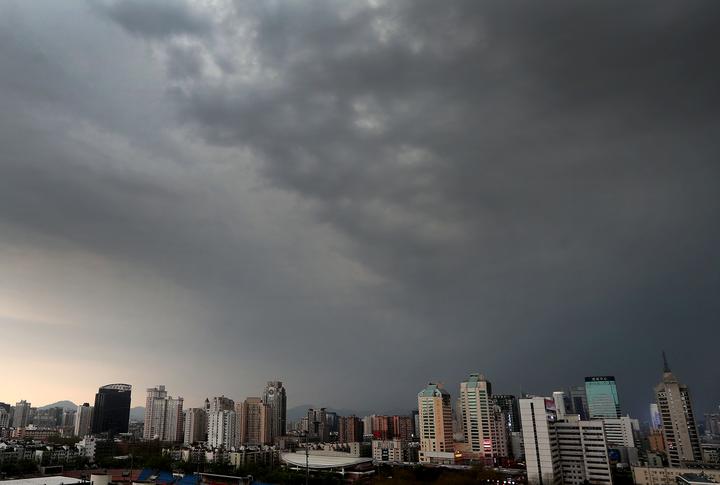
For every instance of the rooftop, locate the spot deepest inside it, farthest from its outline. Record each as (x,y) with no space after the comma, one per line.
(317,462)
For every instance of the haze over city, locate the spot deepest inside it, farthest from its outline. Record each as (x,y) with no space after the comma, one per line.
(357,198)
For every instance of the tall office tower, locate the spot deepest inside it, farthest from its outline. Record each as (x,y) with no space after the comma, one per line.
(221,429)
(509,406)
(254,422)
(276,400)
(83,420)
(480,419)
(317,424)
(655,420)
(560,409)
(678,421)
(195,425)
(583,451)
(602,397)
(435,406)
(402,427)
(7,407)
(21,415)
(382,427)
(542,454)
(350,429)
(578,398)
(111,413)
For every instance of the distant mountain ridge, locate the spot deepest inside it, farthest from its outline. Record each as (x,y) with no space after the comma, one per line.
(60,404)
(137,413)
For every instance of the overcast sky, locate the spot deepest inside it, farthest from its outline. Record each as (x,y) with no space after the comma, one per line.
(358,197)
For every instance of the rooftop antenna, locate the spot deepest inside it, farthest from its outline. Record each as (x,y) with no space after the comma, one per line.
(666,367)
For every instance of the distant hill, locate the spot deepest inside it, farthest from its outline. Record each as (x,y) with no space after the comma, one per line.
(60,404)
(137,413)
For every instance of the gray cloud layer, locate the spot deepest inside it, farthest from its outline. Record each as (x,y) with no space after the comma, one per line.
(359,197)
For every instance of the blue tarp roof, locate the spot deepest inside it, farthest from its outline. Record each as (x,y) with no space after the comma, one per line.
(189,480)
(165,477)
(144,474)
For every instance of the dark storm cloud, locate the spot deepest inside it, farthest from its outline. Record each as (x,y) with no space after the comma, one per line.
(517,183)
(158,19)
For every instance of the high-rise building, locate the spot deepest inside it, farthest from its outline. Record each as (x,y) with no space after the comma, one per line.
(254,422)
(578,399)
(163,416)
(583,451)
(435,407)
(275,398)
(712,424)
(152,420)
(542,454)
(569,451)
(350,429)
(367,426)
(221,429)
(382,427)
(655,419)
(602,397)
(21,415)
(219,403)
(83,420)
(620,431)
(317,428)
(402,427)
(195,425)
(678,421)
(481,419)
(560,409)
(4,418)
(111,412)
(509,406)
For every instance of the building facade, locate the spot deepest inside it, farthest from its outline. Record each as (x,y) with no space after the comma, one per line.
(275,398)
(111,413)
(435,416)
(21,414)
(195,425)
(83,420)
(602,397)
(680,433)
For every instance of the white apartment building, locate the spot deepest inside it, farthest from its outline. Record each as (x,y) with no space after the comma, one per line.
(83,420)
(221,429)
(567,451)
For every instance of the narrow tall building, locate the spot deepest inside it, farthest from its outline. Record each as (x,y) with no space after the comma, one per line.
(111,413)
(151,424)
(275,399)
(602,397)
(481,420)
(435,416)
(221,429)
(83,420)
(254,422)
(678,421)
(195,425)
(350,429)
(542,455)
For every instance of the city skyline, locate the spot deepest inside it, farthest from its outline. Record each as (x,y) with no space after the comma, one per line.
(358,198)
